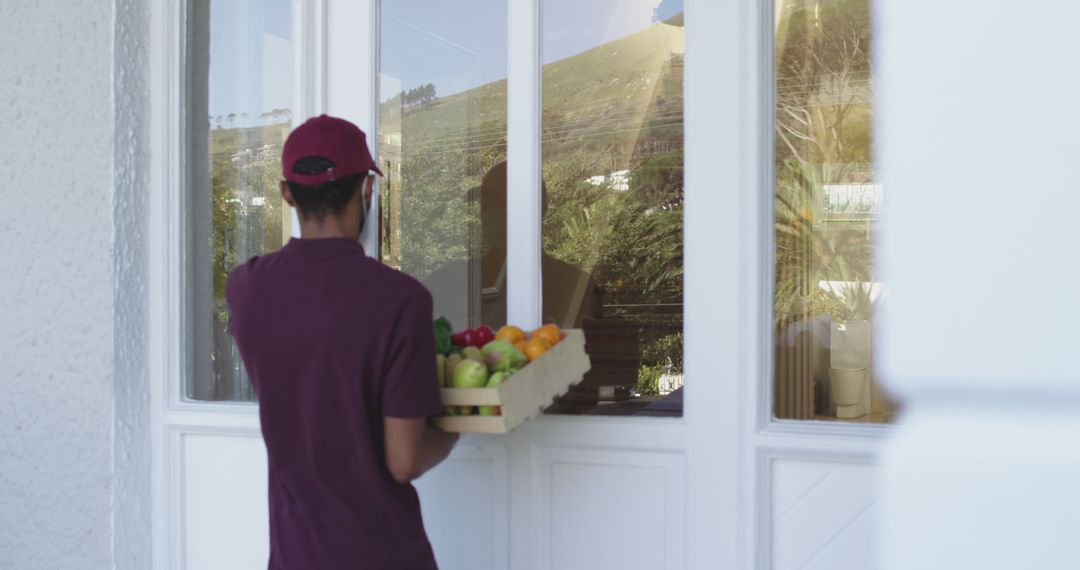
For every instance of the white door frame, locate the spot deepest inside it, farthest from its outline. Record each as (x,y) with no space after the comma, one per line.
(737,131)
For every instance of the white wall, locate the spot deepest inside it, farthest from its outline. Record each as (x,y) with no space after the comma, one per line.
(978,145)
(58,268)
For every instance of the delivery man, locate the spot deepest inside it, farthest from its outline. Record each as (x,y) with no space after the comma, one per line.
(340,351)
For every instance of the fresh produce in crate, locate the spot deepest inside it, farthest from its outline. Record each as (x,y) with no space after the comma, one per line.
(479,370)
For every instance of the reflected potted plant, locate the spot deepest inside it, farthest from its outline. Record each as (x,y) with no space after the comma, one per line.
(849,348)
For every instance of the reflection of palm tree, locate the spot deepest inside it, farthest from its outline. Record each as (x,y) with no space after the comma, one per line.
(808,252)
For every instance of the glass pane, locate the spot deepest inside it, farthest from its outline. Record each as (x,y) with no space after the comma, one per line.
(442,147)
(827,206)
(239,101)
(612,137)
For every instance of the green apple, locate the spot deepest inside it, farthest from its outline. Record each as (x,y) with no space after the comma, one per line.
(469,374)
(472,353)
(496,378)
(501,355)
(451,362)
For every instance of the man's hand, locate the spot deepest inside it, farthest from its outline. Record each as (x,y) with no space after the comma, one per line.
(413,447)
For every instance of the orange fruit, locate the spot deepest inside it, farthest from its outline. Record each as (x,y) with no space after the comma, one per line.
(549,332)
(535,348)
(520,345)
(510,334)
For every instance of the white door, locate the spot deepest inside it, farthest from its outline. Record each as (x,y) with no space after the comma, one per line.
(651,124)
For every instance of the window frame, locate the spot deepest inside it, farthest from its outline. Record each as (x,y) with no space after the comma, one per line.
(766,421)
(524,280)
(316,90)
(170,205)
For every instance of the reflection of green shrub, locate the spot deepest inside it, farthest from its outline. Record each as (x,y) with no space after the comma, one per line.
(648,382)
(664,351)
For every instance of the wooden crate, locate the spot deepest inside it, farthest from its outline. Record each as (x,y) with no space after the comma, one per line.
(525,394)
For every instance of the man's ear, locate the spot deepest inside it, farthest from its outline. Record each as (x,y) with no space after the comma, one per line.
(369,185)
(286,194)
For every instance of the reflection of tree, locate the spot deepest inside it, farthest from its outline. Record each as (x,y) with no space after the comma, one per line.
(420,95)
(247,219)
(436,220)
(823,77)
(823,137)
(631,241)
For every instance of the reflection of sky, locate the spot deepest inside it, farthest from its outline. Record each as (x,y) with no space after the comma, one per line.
(251,57)
(456,45)
(573,26)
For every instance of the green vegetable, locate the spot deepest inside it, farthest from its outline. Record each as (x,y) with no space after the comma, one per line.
(443,330)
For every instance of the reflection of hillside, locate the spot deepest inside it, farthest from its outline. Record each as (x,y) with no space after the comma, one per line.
(617,96)
(247,142)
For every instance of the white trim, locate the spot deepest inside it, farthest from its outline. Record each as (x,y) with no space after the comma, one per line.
(719,330)
(309,67)
(167,18)
(310,45)
(351,90)
(523,103)
(351,83)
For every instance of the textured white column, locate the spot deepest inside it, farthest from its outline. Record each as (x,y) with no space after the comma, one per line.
(58,267)
(977,143)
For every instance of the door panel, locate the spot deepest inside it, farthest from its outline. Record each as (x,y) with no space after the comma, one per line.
(466,507)
(823,514)
(609,509)
(224,501)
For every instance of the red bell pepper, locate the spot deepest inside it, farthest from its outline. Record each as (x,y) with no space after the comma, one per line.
(484,334)
(477,337)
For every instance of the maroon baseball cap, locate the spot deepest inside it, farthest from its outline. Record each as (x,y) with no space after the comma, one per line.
(336,143)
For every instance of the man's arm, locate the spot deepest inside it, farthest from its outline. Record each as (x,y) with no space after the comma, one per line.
(413,447)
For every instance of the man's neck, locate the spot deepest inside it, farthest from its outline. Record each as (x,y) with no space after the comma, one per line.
(343,226)
(311,229)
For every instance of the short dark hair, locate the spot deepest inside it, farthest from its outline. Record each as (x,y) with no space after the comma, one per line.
(318,200)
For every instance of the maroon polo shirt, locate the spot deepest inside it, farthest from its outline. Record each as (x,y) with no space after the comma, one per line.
(333,341)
